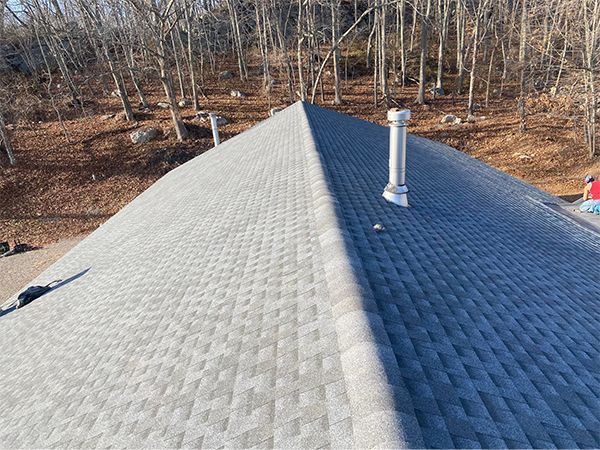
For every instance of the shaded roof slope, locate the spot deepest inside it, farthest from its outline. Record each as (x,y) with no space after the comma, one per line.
(245,300)
(487,296)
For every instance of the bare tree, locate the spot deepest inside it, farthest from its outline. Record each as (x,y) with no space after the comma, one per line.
(515,48)
(461,49)
(443,15)
(425,11)
(163,20)
(5,142)
(590,35)
(335,11)
(191,57)
(480,12)
(237,39)
(523,63)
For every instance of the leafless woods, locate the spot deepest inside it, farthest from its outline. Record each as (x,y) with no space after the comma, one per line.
(482,48)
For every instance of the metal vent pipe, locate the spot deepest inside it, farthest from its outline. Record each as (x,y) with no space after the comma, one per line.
(396,190)
(215,129)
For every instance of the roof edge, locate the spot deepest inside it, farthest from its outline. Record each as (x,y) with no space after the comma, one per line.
(371,373)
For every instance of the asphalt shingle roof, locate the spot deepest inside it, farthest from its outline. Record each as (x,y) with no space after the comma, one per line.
(244,300)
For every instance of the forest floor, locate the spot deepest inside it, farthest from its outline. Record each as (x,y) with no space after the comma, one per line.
(65,186)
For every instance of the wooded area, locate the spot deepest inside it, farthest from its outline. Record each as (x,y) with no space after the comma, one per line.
(68,63)
(443,45)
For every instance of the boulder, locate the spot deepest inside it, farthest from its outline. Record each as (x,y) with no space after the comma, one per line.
(274,111)
(239,94)
(437,91)
(471,118)
(115,94)
(163,105)
(143,135)
(448,118)
(201,115)
(225,75)
(184,103)
(457,121)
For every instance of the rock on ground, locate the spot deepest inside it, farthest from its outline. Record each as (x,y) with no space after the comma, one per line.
(239,94)
(184,103)
(448,118)
(163,105)
(226,75)
(471,118)
(143,135)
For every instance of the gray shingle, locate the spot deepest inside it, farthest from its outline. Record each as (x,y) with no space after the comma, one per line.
(244,300)
(480,289)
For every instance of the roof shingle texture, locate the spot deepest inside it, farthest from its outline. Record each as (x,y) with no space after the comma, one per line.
(244,300)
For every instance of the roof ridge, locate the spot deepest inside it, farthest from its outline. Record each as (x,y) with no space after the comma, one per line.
(370,370)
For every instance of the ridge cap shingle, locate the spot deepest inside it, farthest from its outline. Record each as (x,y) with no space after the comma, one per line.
(364,344)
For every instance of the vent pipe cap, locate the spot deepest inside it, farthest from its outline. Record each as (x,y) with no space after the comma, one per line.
(398,115)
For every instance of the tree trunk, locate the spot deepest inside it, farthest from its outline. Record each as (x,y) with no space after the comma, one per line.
(286,62)
(383,66)
(523,66)
(471,105)
(423,64)
(167,82)
(235,26)
(444,15)
(191,59)
(120,85)
(336,53)
(461,52)
(134,79)
(5,142)
(299,51)
(489,75)
(402,43)
(177,64)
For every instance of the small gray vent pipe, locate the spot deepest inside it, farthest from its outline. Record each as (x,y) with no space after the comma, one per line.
(396,190)
(215,129)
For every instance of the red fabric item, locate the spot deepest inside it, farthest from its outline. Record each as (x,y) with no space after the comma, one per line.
(595,190)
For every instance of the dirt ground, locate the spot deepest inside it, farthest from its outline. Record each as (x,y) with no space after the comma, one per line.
(66,185)
(18,270)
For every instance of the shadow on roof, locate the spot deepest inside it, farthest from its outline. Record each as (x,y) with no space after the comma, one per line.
(62,283)
(479,292)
